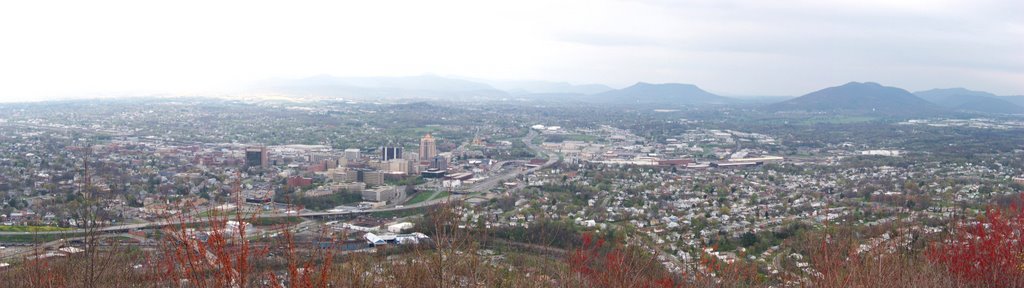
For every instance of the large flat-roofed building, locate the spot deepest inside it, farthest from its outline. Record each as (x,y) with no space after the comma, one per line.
(401,166)
(433,173)
(353,154)
(373,178)
(383,194)
(762,159)
(299,181)
(461,176)
(257,157)
(258,196)
(343,175)
(354,187)
(322,157)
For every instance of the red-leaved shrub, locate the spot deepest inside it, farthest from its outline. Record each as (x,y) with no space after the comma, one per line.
(601,264)
(989,252)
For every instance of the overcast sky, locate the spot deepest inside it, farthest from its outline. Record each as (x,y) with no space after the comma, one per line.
(89,48)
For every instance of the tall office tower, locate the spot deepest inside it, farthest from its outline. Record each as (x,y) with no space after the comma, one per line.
(257,156)
(439,162)
(388,153)
(428,147)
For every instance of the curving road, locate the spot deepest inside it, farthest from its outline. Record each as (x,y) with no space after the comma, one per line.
(491,182)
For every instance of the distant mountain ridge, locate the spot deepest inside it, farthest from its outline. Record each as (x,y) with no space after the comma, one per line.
(667,94)
(970,100)
(443,88)
(545,87)
(1018,100)
(411,87)
(858,97)
(853,97)
(425,87)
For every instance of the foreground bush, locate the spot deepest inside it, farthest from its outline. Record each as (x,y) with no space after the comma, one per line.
(989,252)
(601,264)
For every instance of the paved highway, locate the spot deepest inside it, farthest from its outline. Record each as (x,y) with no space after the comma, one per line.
(493,181)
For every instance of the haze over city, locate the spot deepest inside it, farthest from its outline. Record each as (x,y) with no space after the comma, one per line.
(534,144)
(76,49)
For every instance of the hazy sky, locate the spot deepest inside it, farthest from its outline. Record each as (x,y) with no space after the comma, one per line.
(81,48)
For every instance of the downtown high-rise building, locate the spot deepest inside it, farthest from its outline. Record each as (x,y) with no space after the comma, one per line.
(428,147)
(257,157)
(389,152)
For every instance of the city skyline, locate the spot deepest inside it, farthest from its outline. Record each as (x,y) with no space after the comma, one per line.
(567,143)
